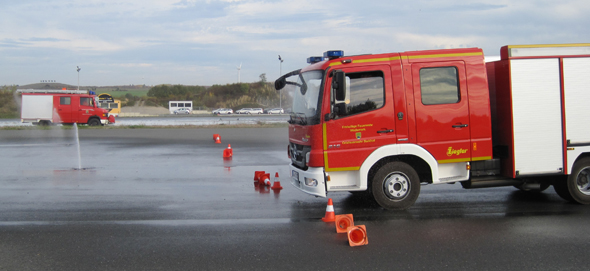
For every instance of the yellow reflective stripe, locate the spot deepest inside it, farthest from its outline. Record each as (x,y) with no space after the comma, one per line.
(445,55)
(369,60)
(481,158)
(342,169)
(325,136)
(447,161)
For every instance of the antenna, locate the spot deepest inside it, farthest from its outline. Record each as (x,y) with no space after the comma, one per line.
(239,70)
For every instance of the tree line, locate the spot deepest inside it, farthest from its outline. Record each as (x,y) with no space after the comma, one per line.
(235,96)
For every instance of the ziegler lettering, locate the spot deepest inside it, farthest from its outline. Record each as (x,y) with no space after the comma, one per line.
(452,151)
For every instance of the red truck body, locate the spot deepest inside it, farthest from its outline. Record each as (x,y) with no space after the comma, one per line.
(381,125)
(62,106)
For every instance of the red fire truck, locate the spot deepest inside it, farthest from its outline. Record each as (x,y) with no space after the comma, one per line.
(45,107)
(382,125)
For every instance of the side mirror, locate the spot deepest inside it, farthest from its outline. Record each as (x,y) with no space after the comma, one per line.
(280,83)
(339,85)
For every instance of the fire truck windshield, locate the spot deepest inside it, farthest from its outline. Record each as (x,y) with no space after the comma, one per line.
(306,98)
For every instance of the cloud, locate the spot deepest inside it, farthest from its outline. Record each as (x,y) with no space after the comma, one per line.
(201,41)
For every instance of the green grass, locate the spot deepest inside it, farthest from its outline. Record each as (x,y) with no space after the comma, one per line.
(117,94)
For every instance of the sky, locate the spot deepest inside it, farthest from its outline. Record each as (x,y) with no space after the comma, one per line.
(203,42)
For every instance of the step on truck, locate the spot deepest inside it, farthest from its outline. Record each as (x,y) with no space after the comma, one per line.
(46,107)
(382,125)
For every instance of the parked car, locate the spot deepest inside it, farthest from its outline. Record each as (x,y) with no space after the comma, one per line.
(256,111)
(275,111)
(244,111)
(182,111)
(223,111)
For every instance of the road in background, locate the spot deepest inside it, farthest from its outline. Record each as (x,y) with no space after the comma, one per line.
(164,199)
(179,120)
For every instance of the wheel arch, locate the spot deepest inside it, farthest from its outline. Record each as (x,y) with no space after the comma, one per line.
(417,157)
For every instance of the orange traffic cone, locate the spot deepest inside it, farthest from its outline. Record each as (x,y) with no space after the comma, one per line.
(217,139)
(276,183)
(264,179)
(357,236)
(343,222)
(228,153)
(257,175)
(329,212)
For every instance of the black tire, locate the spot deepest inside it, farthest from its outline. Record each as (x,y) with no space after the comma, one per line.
(44,123)
(578,182)
(93,122)
(395,186)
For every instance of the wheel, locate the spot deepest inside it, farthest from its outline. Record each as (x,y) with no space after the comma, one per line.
(395,186)
(578,182)
(93,122)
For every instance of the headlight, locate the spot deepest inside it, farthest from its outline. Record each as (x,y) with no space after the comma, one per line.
(311,182)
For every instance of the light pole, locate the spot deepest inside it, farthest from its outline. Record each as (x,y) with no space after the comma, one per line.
(280,74)
(78,70)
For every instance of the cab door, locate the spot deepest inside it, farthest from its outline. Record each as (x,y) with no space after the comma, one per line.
(442,110)
(367,122)
(63,109)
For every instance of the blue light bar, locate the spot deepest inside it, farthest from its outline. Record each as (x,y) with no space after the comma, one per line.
(314,59)
(334,54)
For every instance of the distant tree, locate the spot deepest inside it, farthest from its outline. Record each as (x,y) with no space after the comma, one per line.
(263,78)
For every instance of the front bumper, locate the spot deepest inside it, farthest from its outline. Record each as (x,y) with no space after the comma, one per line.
(311,181)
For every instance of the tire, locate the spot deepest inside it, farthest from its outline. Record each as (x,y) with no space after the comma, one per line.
(578,182)
(395,186)
(93,122)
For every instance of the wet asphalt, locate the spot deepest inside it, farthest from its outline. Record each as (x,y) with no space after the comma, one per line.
(165,199)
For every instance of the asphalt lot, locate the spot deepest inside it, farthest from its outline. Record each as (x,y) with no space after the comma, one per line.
(164,199)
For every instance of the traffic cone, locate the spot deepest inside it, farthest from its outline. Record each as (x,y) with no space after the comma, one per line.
(217,139)
(343,222)
(357,236)
(257,176)
(329,212)
(277,183)
(265,179)
(228,153)
(215,136)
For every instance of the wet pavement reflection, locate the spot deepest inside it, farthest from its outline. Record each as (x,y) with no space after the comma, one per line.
(153,199)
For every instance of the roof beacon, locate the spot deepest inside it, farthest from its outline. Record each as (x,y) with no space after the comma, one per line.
(334,54)
(314,59)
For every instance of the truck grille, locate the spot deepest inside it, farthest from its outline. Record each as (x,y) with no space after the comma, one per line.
(298,153)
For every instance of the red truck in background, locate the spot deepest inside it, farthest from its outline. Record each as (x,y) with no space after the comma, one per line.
(382,125)
(45,107)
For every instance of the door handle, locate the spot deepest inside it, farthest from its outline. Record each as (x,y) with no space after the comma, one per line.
(385,131)
(460,126)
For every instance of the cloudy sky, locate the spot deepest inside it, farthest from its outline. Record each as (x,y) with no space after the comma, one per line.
(201,42)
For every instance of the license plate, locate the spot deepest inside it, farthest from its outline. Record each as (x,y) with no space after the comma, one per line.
(295,177)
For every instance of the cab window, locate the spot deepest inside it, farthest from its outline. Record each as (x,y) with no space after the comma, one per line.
(367,92)
(65,100)
(86,101)
(439,85)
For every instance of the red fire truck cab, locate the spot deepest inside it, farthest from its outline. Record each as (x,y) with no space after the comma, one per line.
(46,107)
(382,125)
